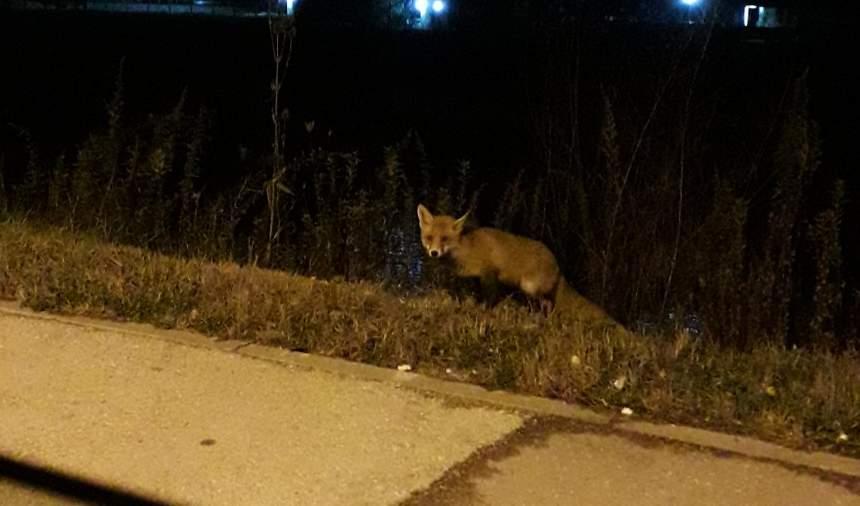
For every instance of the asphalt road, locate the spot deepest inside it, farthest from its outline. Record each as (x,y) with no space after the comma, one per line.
(89,409)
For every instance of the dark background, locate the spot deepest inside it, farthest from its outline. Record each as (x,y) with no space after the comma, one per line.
(466,92)
(474,93)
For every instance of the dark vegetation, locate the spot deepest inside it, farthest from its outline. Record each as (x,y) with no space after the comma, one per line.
(679,174)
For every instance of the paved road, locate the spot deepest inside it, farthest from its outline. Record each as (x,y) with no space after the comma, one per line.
(560,464)
(196,423)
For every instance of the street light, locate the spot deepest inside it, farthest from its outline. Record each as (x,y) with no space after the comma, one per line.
(690,4)
(421,7)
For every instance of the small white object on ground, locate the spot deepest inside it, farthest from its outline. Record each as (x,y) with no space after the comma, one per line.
(404,367)
(626,411)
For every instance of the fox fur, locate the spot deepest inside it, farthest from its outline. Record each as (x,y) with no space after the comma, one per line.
(494,255)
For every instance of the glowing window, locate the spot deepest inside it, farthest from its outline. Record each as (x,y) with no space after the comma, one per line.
(752,12)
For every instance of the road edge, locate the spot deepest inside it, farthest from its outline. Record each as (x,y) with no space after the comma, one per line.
(714,441)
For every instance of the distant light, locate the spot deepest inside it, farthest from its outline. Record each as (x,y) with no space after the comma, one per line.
(438,6)
(747,9)
(690,2)
(290,4)
(421,7)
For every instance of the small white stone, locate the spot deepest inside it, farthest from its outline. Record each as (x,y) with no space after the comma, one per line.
(626,411)
(843,436)
(404,367)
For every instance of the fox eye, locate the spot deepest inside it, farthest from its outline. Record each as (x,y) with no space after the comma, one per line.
(444,239)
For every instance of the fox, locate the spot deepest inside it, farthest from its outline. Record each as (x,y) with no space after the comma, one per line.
(496,256)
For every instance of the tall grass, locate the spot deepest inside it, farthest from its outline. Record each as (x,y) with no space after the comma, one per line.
(747,251)
(656,230)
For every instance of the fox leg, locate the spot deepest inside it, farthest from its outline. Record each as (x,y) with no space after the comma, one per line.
(542,304)
(490,288)
(546,306)
(538,290)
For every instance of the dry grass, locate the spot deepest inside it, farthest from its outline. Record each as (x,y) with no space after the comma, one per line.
(799,397)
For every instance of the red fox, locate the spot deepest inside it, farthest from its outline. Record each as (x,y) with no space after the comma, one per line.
(494,255)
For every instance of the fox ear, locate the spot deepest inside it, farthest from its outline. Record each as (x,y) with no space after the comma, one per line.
(458,225)
(425,217)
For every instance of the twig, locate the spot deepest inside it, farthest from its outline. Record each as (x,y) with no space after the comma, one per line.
(641,138)
(682,164)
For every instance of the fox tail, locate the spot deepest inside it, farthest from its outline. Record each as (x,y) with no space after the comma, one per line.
(566,300)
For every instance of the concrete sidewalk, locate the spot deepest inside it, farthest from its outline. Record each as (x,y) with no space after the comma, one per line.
(180,418)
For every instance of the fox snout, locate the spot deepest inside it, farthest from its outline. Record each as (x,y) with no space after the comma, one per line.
(435,248)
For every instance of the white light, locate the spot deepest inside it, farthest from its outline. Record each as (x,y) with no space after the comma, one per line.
(421,7)
(288,4)
(747,9)
(438,6)
(689,2)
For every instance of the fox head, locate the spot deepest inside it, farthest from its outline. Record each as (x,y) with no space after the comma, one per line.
(439,234)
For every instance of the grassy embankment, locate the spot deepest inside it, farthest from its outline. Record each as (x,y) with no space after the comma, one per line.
(799,397)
